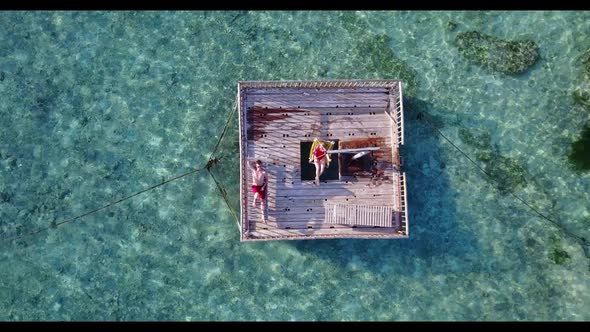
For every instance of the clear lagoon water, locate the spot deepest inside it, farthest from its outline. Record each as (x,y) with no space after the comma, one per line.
(98,105)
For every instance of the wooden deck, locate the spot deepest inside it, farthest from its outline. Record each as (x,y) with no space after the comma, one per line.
(275,117)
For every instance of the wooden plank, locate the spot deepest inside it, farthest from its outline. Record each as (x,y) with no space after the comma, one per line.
(281,217)
(376,232)
(299,131)
(331,192)
(292,157)
(282,222)
(293,141)
(321,193)
(292,161)
(283,91)
(306,96)
(282,182)
(274,138)
(243,148)
(318,104)
(287,227)
(291,165)
(330,188)
(277,133)
(253,237)
(317,227)
(307,211)
(273,147)
(282,177)
(320,117)
(372,104)
(282,202)
(297,135)
(331,122)
(296,210)
(292,144)
(307,202)
(288,216)
(308,225)
(309,187)
(281,113)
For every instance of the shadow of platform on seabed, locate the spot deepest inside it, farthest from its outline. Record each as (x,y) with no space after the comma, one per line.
(434,233)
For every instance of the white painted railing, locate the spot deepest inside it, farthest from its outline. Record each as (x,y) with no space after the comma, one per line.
(320,84)
(404,220)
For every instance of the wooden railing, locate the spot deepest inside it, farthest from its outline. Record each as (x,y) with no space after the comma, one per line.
(245,225)
(394,111)
(404,221)
(399,113)
(321,84)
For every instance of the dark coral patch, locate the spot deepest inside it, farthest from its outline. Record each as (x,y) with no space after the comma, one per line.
(579,157)
(506,173)
(556,252)
(509,57)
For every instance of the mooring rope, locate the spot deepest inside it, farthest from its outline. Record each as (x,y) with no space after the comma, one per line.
(210,163)
(221,189)
(579,239)
(226,199)
(54,225)
(224,131)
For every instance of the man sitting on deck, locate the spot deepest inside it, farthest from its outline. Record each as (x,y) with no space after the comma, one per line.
(259,182)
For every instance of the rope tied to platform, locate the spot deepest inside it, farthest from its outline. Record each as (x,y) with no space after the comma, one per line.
(211,162)
(580,239)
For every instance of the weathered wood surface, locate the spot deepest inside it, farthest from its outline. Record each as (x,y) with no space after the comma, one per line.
(276,120)
(302,91)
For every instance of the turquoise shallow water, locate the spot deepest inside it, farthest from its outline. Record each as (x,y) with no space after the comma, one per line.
(98,105)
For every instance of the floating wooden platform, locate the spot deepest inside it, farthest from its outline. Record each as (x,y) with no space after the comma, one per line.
(275,117)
